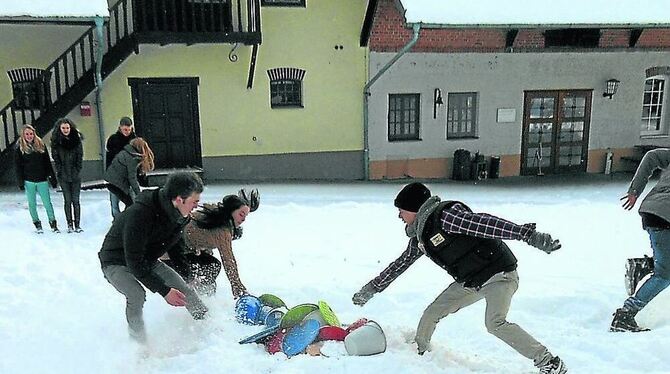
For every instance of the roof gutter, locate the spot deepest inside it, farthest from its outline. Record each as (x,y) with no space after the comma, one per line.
(545,26)
(100,51)
(366,92)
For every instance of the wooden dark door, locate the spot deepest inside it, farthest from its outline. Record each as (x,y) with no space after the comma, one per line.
(166,115)
(555,131)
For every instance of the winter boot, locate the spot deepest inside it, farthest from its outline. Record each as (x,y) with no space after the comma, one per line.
(554,366)
(54,226)
(70,227)
(636,269)
(38,227)
(77,228)
(624,320)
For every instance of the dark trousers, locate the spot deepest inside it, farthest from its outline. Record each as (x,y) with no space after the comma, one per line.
(71,191)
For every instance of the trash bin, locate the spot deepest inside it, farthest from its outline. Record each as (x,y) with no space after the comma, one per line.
(462,163)
(479,169)
(494,167)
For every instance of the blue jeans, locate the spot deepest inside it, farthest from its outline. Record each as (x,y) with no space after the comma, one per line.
(114,202)
(660,279)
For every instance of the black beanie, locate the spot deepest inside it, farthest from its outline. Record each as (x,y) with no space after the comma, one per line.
(412,196)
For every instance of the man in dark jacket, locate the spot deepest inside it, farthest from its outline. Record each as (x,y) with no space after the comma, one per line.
(149,228)
(469,247)
(115,144)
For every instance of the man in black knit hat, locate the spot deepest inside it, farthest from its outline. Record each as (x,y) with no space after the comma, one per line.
(470,247)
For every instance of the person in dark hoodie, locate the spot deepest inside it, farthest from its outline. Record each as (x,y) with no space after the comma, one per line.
(140,235)
(115,144)
(34,174)
(470,247)
(68,154)
(121,175)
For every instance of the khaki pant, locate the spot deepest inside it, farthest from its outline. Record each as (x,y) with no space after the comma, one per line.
(125,282)
(498,293)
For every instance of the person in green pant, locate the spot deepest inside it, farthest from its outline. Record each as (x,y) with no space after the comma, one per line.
(34,173)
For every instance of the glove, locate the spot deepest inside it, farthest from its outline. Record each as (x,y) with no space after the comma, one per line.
(364,295)
(543,242)
(53,181)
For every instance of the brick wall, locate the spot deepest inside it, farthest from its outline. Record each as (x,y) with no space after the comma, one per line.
(654,38)
(614,38)
(526,39)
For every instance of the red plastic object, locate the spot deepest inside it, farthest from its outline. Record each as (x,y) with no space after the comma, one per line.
(273,345)
(357,324)
(332,333)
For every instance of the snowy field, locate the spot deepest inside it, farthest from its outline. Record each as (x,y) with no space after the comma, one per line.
(310,242)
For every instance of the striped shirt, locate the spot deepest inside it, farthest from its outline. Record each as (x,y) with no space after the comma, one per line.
(457,219)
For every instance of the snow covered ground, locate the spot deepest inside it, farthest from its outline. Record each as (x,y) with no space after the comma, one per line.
(310,242)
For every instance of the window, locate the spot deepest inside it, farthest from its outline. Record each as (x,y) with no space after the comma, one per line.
(462,115)
(286,87)
(581,38)
(652,106)
(403,117)
(29,95)
(300,3)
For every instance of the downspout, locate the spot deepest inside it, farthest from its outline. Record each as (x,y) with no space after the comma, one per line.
(366,151)
(100,51)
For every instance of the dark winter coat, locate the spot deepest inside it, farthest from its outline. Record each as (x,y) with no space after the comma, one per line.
(32,166)
(115,144)
(141,234)
(122,173)
(468,259)
(68,154)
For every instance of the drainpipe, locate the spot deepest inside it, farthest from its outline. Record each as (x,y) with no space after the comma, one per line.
(366,92)
(100,51)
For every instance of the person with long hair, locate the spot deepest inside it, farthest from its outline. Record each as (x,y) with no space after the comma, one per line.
(34,173)
(216,226)
(68,154)
(121,175)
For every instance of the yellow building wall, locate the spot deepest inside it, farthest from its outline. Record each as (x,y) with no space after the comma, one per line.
(230,114)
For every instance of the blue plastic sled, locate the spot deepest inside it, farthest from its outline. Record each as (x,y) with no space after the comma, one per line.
(261,336)
(300,336)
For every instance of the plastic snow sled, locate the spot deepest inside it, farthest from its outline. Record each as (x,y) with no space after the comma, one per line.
(270,316)
(247,309)
(271,300)
(366,340)
(358,323)
(274,344)
(332,333)
(328,315)
(300,336)
(261,336)
(296,314)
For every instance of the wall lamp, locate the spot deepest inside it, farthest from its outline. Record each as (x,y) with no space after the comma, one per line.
(437,101)
(610,88)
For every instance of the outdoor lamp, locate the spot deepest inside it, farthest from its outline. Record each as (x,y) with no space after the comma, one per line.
(610,88)
(437,100)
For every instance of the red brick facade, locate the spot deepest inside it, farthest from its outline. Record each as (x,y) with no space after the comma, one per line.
(389,33)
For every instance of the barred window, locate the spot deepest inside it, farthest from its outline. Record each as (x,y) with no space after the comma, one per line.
(403,117)
(652,107)
(286,87)
(462,115)
(28,93)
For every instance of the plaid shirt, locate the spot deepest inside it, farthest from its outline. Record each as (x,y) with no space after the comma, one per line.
(458,219)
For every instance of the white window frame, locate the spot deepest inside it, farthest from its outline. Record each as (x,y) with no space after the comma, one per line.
(649,122)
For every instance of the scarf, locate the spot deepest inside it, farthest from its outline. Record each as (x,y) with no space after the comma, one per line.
(415,229)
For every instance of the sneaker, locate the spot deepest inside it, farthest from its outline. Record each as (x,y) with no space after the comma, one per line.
(636,269)
(38,227)
(624,320)
(555,366)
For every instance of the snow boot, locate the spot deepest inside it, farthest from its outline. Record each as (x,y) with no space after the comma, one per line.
(38,227)
(77,228)
(70,228)
(54,226)
(624,320)
(636,269)
(554,366)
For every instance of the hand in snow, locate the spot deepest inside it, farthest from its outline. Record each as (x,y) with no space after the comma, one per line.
(543,242)
(175,297)
(630,201)
(364,295)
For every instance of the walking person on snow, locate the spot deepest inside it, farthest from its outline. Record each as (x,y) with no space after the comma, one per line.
(68,153)
(34,173)
(655,213)
(470,247)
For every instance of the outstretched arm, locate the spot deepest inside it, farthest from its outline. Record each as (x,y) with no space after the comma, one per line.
(224,243)
(388,275)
